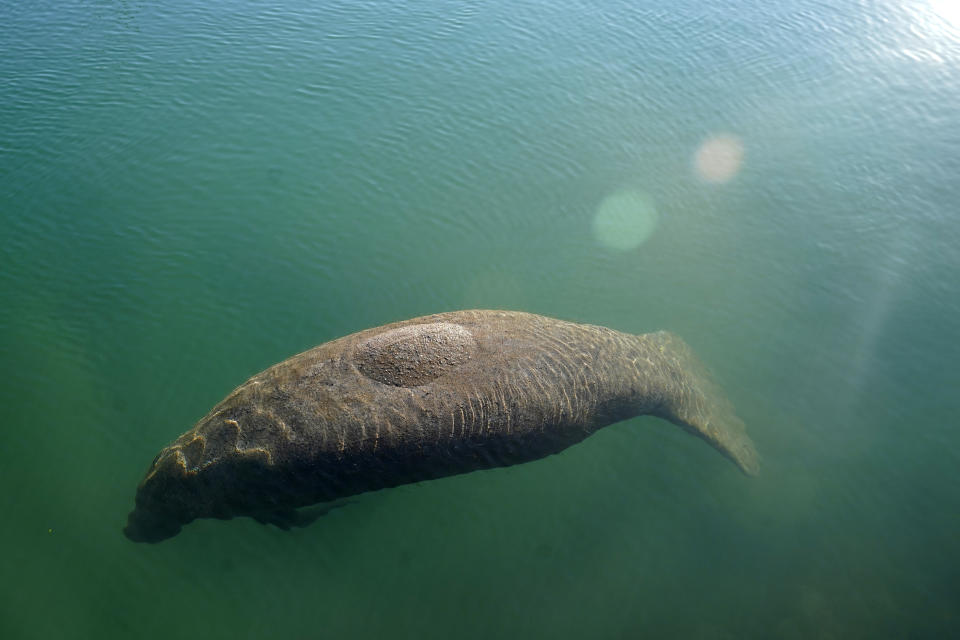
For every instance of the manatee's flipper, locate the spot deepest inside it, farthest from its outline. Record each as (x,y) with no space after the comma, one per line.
(309,514)
(282,518)
(698,405)
(287,519)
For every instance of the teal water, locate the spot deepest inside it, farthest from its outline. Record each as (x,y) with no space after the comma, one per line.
(191,191)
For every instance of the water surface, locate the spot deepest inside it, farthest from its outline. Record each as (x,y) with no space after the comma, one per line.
(193,191)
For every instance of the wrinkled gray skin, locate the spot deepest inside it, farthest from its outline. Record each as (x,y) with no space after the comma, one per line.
(422,399)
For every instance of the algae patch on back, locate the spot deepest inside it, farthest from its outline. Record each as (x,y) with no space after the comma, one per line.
(416,354)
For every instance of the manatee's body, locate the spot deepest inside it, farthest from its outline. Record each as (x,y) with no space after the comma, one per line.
(422,399)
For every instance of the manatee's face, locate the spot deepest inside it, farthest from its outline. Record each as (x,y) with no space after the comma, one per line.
(209,472)
(162,498)
(143,526)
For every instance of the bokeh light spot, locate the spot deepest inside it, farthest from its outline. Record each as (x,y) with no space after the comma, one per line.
(719,158)
(625,219)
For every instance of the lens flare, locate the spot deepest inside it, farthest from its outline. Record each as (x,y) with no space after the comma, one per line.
(624,220)
(719,158)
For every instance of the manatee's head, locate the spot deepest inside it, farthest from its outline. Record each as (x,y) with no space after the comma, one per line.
(218,469)
(164,500)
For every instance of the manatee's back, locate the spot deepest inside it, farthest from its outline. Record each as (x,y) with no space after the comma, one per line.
(427,398)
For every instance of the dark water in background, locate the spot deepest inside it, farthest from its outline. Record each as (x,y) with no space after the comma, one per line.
(191,191)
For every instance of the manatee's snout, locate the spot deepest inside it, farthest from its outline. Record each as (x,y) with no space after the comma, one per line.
(159,513)
(142,526)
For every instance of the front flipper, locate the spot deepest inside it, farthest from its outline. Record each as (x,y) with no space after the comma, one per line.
(287,519)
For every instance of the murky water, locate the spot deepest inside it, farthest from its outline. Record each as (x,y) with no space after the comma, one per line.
(194,191)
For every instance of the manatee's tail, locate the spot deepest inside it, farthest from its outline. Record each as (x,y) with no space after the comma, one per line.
(696,403)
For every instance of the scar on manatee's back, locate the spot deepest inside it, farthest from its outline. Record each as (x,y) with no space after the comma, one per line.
(416,354)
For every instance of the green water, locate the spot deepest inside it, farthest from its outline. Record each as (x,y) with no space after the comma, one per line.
(191,191)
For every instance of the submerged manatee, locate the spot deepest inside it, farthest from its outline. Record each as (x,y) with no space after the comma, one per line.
(421,399)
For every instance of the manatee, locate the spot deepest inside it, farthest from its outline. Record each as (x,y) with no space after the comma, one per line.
(422,399)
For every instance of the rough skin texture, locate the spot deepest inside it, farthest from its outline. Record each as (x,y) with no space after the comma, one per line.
(421,399)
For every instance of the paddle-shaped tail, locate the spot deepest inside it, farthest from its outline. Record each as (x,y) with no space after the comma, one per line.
(697,404)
